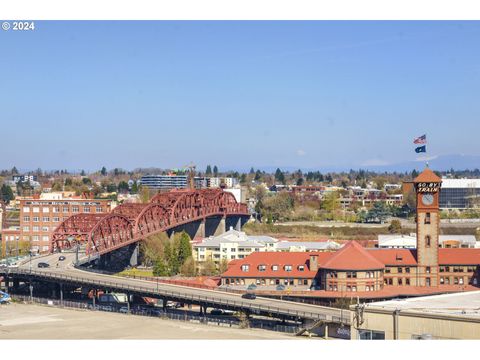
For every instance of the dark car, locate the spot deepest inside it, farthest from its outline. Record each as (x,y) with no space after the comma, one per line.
(61,258)
(43,265)
(217,312)
(249,296)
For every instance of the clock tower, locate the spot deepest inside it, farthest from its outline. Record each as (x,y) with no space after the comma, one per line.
(427,188)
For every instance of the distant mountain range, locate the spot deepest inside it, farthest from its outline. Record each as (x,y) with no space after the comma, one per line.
(439,163)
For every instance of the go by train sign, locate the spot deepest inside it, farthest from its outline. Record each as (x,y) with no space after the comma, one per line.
(431,187)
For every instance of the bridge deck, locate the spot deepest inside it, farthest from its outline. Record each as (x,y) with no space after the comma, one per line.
(210,298)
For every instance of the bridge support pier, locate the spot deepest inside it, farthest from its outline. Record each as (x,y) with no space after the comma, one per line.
(61,294)
(30,287)
(215,226)
(201,230)
(221,228)
(203,310)
(135,249)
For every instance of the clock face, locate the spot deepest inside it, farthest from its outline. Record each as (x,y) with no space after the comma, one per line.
(427,199)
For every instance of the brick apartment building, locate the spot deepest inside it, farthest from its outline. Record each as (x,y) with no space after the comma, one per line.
(39,217)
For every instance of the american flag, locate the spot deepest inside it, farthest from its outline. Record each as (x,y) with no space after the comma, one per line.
(420,140)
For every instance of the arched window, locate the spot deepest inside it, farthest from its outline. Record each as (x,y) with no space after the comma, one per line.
(427,241)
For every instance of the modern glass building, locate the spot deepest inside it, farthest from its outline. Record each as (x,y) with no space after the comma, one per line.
(460,194)
(164,182)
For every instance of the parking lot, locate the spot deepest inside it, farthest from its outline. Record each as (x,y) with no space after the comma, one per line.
(28,322)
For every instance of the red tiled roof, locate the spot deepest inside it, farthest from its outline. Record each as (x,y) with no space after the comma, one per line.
(276,258)
(400,257)
(427,175)
(352,257)
(459,256)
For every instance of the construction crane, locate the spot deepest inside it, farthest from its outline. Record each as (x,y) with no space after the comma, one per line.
(191,174)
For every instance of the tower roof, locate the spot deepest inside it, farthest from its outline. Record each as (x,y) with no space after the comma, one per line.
(427,176)
(352,257)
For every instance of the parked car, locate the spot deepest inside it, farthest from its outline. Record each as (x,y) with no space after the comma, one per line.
(43,265)
(249,296)
(217,312)
(61,258)
(123,310)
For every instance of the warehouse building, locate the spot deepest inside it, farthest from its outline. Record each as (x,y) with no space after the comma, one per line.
(441,317)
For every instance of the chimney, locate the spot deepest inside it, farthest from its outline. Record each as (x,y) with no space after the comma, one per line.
(313,262)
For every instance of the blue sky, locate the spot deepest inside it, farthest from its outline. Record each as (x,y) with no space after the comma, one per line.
(80,95)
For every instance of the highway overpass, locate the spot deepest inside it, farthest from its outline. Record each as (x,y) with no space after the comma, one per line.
(64,274)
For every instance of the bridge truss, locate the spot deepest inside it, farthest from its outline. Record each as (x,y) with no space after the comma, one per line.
(130,223)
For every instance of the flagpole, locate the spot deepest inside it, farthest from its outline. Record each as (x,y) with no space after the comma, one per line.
(426,151)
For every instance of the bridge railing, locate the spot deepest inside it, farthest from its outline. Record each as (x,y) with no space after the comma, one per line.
(244,305)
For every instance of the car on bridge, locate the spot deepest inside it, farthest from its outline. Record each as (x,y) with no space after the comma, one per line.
(221,312)
(249,296)
(61,258)
(43,265)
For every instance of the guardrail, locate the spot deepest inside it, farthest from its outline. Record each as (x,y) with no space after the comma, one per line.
(214,301)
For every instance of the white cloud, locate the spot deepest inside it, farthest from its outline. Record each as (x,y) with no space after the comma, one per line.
(301,152)
(426,158)
(375,162)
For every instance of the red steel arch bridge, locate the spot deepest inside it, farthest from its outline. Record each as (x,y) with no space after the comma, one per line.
(195,211)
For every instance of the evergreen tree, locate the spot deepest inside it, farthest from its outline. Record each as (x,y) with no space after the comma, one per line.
(279,176)
(215,171)
(252,171)
(378,212)
(103,171)
(112,187)
(6,193)
(184,248)
(243,179)
(134,188)
(208,172)
(82,173)
(123,187)
(14,171)
(160,268)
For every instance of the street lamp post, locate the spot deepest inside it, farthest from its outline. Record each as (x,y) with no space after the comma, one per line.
(76,254)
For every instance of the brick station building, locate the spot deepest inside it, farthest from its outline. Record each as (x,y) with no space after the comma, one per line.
(371,273)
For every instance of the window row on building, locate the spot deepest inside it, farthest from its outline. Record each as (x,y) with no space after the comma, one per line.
(65,209)
(266,282)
